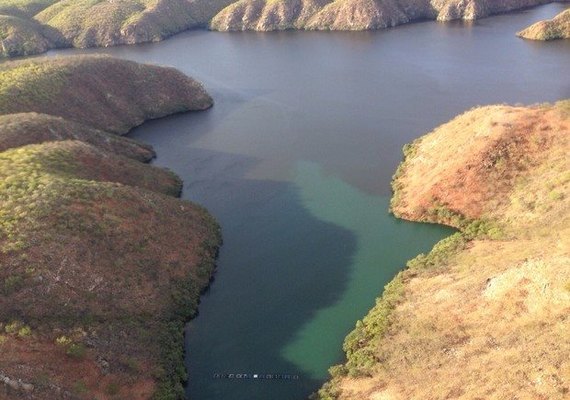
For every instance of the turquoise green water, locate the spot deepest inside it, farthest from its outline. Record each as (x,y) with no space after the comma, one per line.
(380,239)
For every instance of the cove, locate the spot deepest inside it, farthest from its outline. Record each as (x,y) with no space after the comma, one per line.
(295,161)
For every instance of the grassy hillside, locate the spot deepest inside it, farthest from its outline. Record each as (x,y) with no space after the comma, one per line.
(102,92)
(101,263)
(267,15)
(484,314)
(556,28)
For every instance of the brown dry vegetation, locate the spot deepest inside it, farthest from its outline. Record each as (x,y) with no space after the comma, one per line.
(485,315)
(100,263)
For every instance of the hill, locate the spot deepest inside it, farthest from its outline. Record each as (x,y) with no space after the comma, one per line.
(556,28)
(484,314)
(267,15)
(101,263)
(105,93)
(35,26)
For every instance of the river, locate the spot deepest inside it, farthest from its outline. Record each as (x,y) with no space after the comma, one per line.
(295,161)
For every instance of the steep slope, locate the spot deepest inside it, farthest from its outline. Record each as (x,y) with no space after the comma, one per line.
(34,26)
(266,15)
(485,314)
(101,263)
(105,93)
(556,28)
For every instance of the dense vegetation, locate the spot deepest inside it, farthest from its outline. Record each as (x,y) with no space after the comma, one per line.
(488,305)
(556,28)
(101,263)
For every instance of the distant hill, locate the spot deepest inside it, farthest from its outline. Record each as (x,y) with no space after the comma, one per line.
(267,15)
(484,314)
(556,28)
(34,26)
(101,262)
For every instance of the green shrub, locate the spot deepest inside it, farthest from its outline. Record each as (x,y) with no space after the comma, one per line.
(440,254)
(76,350)
(24,331)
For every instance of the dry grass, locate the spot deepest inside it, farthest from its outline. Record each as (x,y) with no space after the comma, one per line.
(500,147)
(490,322)
(350,15)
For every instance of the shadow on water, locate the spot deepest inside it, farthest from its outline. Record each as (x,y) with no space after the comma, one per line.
(301,261)
(278,266)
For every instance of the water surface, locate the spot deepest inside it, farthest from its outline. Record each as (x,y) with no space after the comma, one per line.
(295,161)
